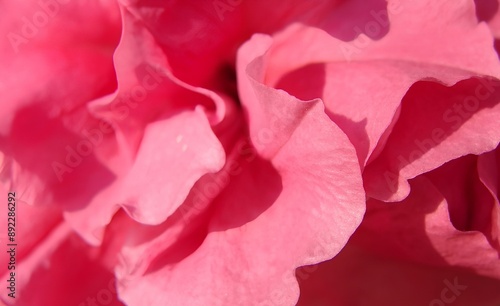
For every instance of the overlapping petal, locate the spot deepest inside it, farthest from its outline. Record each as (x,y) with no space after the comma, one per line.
(363,83)
(45,82)
(290,205)
(164,132)
(433,239)
(209,165)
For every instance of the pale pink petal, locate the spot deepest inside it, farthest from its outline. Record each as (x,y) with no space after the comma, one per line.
(298,207)
(363,81)
(163,128)
(174,153)
(414,41)
(183,232)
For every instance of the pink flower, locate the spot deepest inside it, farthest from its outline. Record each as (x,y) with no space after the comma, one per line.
(196,153)
(439,245)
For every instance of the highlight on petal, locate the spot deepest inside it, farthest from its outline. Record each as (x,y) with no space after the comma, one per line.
(170,160)
(364,82)
(165,131)
(292,204)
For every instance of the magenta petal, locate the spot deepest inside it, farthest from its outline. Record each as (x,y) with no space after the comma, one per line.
(71,268)
(359,277)
(45,87)
(488,168)
(420,230)
(436,124)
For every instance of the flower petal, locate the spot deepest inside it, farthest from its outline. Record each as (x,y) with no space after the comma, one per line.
(61,260)
(295,205)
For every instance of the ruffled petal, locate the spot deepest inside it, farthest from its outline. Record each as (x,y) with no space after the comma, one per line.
(293,203)
(420,230)
(163,130)
(363,82)
(436,124)
(413,248)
